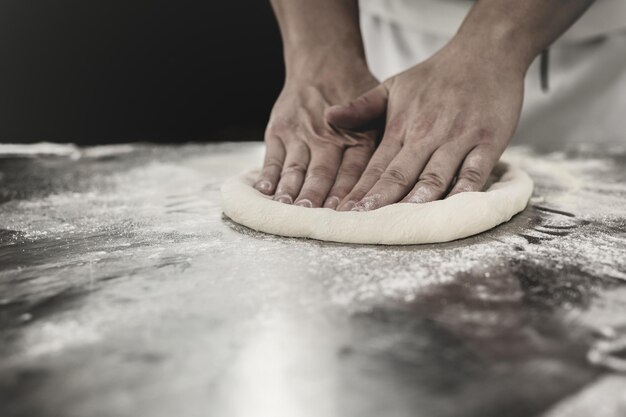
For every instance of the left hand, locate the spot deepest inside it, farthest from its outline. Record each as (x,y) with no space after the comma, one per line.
(308,162)
(448,120)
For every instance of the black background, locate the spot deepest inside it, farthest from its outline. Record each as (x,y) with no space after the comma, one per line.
(95,71)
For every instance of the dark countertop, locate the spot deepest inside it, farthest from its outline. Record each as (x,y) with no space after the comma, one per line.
(124,291)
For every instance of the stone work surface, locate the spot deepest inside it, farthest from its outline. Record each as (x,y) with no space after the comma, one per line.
(124,291)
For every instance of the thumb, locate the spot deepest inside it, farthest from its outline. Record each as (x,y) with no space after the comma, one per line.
(362,112)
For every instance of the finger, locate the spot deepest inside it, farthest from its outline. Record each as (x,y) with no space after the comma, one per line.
(320,176)
(399,177)
(352,166)
(475,170)
(272,165)
(292,175)
(385,153)
(361,112)
(438,174)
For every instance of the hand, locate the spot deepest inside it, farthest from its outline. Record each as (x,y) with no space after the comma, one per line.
(448,120)
(307,161)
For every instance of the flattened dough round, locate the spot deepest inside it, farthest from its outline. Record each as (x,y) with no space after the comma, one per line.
(455,217)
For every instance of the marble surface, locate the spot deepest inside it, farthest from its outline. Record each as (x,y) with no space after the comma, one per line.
(124,291)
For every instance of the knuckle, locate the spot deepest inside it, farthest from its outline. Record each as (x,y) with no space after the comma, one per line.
(271,133)
(395,176)
(321,172)
(423,124)
(471,174)
(364,99)
(272,163)
(352,108)
(277,124)
(374,170)
(351,170)
(395,126)
(459,127)
(485,135)
(433,180)
(294,168)
(359,104)
(419,144)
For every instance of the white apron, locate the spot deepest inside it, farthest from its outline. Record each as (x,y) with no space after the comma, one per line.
(586,100)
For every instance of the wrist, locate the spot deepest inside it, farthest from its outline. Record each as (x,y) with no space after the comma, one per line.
(504,35)
(516,32)
(487,54)
(496,41)
(340,69)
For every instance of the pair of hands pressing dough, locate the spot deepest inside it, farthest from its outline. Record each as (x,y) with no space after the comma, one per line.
(442,126)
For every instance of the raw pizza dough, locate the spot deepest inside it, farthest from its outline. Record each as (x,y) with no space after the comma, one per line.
(456,217)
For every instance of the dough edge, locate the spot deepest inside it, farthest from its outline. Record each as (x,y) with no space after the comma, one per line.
(457,217)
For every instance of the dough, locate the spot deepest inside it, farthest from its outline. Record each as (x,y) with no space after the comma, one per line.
(456,217)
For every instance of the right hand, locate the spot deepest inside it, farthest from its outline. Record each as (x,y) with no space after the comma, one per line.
(308,162)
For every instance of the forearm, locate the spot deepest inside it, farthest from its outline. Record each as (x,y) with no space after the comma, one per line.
(319,35)
(517,31)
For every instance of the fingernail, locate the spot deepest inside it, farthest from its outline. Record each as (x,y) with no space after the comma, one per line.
(464,189)
(367,204)
(263,186)
(286,199)
(348,205)
(304,203)
(331,202)
(420,196)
